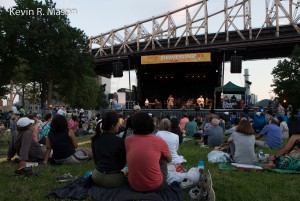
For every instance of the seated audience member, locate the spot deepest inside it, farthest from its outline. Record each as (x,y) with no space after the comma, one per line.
(171,139)
(242,143)
(63,142)
(24,145)
(45,128)
(144,151)
(287,158)
(272,133)
(190,126)
(36,127)
(109,153)
(234,125)
(13,123)
(259,121)
(213,136)
(294,123)
(92,124)
(284,128)
(182,122)
(175,128)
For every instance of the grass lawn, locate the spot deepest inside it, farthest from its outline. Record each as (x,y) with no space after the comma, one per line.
(229,185)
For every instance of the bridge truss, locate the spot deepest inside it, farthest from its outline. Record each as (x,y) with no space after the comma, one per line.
(200,27)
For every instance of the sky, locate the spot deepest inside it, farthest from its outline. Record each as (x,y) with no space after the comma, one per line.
(100,16)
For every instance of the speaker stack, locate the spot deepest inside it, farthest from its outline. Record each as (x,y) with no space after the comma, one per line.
(236,64)
(118,69)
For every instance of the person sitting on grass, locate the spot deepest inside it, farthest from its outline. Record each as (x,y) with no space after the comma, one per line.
(147,156)
(45,128)
(171,139)
(213,136)
(190,126)
(24,145)
(109,153)
(273,135)
(242,143)
(287,158)
(64,144)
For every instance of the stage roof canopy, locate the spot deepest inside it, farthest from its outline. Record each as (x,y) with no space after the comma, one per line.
(231,88)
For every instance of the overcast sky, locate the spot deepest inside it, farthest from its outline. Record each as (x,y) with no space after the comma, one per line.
(100,16)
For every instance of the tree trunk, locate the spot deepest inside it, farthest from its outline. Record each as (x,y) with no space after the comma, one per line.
(49,96)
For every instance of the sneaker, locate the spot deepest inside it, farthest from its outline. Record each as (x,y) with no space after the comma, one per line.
(194,193)
(65,177)
(186,183)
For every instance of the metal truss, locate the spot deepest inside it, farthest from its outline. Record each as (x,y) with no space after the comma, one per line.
(280,12)
(169,31)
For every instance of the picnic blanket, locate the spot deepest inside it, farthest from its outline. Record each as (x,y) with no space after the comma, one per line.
(228,166)
(80,190)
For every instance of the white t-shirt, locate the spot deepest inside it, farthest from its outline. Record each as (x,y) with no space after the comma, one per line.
(173,143)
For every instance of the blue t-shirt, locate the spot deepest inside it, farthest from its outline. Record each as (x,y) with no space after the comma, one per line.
(273,135)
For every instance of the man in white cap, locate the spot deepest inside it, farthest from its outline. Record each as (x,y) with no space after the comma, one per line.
(24,146)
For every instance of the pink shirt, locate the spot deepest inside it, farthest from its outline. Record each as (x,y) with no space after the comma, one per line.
(143,153)
(182,122)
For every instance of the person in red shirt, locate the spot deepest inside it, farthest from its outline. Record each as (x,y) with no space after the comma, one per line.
(144,154)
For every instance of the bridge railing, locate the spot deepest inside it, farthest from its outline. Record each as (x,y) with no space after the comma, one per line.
(170,31)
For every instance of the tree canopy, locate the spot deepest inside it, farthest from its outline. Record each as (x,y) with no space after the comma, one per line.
(286,80)
(48,50)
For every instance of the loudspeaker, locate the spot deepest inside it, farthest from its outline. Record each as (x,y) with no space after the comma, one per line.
(236,64)
(118,69)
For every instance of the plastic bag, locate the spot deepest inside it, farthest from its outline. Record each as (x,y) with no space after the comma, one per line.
(216,156)
(193,175)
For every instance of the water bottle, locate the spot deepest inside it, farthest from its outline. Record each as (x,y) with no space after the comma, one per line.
(87,175)
(201,166)
(261,154)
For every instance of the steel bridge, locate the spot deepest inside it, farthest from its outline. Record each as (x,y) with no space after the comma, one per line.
(280,26)
(223,32)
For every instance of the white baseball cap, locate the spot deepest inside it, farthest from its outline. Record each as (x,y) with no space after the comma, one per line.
(24,121)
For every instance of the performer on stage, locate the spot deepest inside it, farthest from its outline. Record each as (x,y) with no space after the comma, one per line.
(200,102)
(157,104)
(147,103)
(170,102)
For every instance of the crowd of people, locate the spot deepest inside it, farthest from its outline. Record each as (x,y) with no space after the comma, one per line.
(118,143)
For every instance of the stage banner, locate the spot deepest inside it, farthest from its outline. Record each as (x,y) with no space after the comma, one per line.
(176,58)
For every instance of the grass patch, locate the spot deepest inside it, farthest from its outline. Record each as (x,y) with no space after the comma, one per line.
(229,185)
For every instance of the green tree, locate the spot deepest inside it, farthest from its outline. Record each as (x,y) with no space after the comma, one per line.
(86,94)
(101,99)
(57,55)
(8,52)
(286,80)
